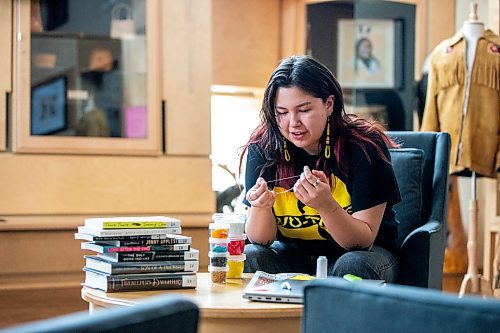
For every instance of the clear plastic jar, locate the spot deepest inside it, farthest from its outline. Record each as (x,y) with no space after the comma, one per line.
(218,259)
(236,264)
(218,274)
(218,230)
(236,222)
(236,245)
(218,245)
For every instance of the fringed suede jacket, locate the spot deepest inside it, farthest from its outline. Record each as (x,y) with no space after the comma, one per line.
(475,133)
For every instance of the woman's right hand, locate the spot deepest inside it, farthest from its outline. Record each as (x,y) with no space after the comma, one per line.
(259,196)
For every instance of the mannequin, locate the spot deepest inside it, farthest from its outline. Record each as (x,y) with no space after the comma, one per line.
(463,99)
(455,252)
(473,30)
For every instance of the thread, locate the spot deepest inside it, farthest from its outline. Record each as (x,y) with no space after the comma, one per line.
(277,180)
(321,267)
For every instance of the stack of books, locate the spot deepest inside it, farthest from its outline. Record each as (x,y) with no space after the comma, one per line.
(137,253)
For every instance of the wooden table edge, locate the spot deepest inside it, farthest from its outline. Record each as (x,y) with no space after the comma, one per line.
(294,312)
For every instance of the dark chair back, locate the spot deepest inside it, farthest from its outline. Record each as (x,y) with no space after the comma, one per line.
(421,169)
(166,313)
(336,305)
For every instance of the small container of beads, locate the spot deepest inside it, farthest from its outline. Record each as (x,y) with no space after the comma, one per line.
(218,244)
(218,230)
(218,274)
(236,264)
(236,245)
(236,222)
(218,259)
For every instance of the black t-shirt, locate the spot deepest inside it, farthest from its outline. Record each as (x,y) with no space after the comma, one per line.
(368,182)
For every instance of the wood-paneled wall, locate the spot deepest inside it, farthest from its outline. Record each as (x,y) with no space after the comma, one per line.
(187,77)
(44,197)
(246,41)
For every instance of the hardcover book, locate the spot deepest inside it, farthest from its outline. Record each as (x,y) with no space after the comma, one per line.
(115,268)
(105,248)
(133,282)
(127,232)
(139,240)
(132,222)
(192,254)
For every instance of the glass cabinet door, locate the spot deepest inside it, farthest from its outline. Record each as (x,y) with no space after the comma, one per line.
(86,77)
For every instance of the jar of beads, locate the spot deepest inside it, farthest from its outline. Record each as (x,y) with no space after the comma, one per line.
(236,245)
(218,244)
(218,230)
(218,274)
(235,265)
(218,259)
(236,222)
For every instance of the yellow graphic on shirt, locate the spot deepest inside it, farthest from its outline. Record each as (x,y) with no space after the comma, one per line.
(296,220)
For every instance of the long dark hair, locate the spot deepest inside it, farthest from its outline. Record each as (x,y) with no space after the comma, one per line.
(309,75)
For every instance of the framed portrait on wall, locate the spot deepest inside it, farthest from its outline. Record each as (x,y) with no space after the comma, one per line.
(366,53)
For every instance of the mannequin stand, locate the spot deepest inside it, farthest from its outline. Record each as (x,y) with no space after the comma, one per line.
(473,282)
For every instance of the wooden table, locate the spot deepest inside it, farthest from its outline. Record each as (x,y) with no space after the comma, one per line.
(222,309)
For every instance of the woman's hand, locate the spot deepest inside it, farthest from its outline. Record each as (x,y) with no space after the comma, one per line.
(259,196)
(313,189)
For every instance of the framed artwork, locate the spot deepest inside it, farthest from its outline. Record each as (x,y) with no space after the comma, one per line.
(49,106)
(366,53)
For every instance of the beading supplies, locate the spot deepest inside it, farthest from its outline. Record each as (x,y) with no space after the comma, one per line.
(234,244)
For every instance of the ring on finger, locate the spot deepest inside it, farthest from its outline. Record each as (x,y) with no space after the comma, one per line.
(316,182)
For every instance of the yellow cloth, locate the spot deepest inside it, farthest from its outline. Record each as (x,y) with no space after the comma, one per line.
(479,131)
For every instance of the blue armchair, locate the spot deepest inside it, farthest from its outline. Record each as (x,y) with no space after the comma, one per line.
(166,313)
(336,305)
(421,168)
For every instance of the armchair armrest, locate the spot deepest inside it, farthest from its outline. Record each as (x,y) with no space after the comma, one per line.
(417,267)
(430,227)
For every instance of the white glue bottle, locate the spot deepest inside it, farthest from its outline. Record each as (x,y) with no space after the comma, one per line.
(321,267)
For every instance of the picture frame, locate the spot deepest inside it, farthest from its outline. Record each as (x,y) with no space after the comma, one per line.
(366,56)
(49,106)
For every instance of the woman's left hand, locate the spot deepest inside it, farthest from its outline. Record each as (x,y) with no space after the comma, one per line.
(313,189)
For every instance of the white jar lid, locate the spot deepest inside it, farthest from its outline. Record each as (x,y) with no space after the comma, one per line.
(237,257)
(213,240)
(218,269)
(218,225)
(229,217)
(237,237)
(218,254)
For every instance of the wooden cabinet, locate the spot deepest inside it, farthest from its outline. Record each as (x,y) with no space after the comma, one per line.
(50,183)
(5,65)
(76,55)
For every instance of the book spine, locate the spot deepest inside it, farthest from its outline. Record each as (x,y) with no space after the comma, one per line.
(111,249)
(144,224)
(137,232)
(116,283)
(180,266)
(137,240)
(174,247)
(156,256)
(146,242)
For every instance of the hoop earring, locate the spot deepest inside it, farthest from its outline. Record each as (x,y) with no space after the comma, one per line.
(285,151)
(327,144)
